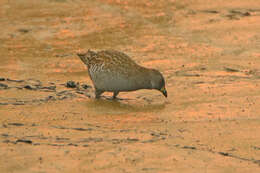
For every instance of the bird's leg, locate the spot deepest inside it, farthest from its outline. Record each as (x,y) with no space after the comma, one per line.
(115,94)
(98,93)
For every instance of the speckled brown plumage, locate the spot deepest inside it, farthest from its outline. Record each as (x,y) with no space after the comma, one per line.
(114,71)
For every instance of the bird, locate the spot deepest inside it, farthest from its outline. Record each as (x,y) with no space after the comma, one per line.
(114,71)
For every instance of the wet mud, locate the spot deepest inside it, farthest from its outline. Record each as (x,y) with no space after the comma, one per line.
(49,92)
(208,52)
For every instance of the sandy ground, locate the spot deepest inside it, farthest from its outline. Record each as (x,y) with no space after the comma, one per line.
(208,51)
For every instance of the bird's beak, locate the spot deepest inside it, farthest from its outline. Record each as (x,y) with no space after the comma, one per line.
(164,92)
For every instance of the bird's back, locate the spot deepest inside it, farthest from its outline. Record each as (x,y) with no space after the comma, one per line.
(112,70)
(115,60)
(109,60)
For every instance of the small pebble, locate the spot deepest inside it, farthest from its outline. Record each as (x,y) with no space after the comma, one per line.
(71,84)
(3,86)
(23,30)
(30,87)
(85,86)
(23,141)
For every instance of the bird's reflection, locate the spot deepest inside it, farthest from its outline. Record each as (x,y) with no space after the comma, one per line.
(118,106)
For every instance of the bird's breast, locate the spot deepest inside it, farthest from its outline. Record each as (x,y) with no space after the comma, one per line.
(114,78)
(96,69)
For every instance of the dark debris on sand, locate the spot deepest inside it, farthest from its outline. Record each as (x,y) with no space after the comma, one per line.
(71,84)
(36,86)
(3,86)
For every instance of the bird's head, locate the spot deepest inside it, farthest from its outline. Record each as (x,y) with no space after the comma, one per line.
(158,82)
(86,56)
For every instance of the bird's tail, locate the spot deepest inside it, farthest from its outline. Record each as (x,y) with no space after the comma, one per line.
(87,56)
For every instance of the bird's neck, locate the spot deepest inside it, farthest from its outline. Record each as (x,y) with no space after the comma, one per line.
(144,79)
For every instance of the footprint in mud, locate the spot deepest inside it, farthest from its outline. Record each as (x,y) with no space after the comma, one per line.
(237,14)
(233,14)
